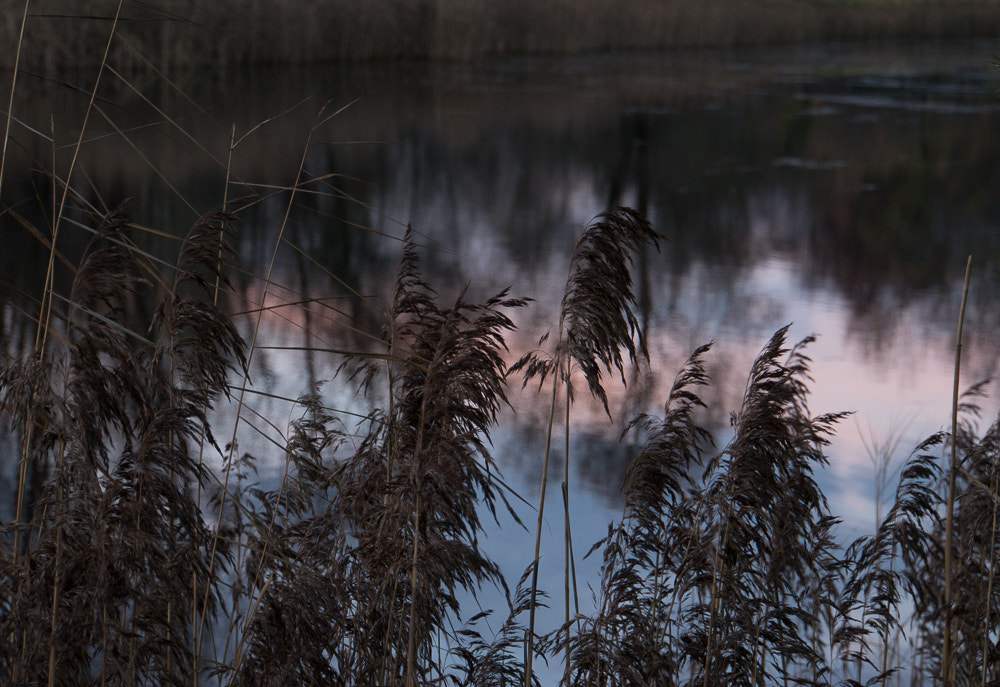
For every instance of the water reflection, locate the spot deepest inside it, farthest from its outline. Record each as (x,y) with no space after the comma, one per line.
(823,188)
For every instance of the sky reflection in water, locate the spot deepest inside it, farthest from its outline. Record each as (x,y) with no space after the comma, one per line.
(838,190)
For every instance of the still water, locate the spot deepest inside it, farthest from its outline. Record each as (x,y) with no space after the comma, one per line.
(837,188)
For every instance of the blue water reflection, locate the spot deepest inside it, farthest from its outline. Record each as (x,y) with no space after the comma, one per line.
(839,190)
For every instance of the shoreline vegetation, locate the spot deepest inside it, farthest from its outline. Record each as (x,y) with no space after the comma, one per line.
(130,560)
(175,35)
(146,546)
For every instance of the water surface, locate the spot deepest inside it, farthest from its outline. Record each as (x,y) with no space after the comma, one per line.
(836,188)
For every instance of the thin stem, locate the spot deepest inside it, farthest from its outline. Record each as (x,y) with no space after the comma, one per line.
(566,564)
(538,535)
(194,618)
(46,309)
(715,602)
(567,541)
(13,88)
(55,605)
(947,656)
(885,639)
(411,643)
(417,473)
(989,584)
(321,119)
(246,623)
(196,659)
(572,555)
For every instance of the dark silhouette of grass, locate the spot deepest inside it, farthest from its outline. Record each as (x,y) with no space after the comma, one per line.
(117,538)
(128,560)
(349,570)
(596,325)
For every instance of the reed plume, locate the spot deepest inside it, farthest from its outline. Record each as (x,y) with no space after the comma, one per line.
(725,567)
(103,589)
(631,638)
(974,603)
(596,322)
(706,581)
(483,662)
(408,500)
(763,509)
(885,564)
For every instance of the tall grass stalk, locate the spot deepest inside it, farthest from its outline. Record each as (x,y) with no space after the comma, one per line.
(542,490)
(45,313)
(596,324)
(345,571)
(567,541)
(947,659)
(202,440)
(320,119)
(13,90)
(992,562)
(61,208)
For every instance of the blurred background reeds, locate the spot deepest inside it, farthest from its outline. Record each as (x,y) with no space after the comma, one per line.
(177,35)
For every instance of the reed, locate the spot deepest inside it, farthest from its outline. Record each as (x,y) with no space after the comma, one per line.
(148,548)
(349,568)
(596,325)
(66,35)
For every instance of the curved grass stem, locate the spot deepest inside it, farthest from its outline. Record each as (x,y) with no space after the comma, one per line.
(529,654)
(947,654)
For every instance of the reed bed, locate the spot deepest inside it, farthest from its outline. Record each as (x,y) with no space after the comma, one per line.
(144,548)
(178,35)
(129,561)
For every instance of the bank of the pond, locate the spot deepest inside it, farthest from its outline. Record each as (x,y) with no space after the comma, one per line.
(177,34)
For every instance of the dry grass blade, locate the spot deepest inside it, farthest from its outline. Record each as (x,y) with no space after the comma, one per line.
(626,641)
(764,508)
(498,662)
(921,549)
(129,560)
(231,458)
(117,534)
(709,583)
(61,207)
(656,476)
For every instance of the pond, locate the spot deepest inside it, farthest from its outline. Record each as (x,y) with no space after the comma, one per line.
(837,188)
